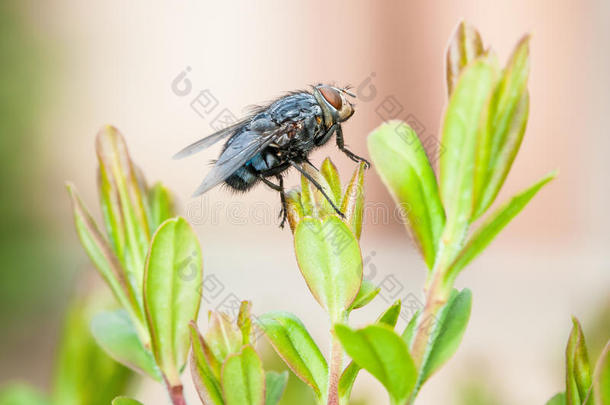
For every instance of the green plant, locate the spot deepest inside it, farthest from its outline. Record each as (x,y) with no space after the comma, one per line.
(482,130)
(584,386)
(152,261)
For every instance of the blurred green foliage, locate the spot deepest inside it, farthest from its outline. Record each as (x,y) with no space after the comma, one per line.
(83,373)
(30,251)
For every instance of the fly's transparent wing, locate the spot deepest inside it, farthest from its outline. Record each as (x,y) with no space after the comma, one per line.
(209,140)
(241,148)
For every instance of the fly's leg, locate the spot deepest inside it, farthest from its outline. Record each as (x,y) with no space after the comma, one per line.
(316,185)
(284,212)
(279,188)
(350,154)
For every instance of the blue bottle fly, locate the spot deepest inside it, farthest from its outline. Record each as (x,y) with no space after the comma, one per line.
(276,137)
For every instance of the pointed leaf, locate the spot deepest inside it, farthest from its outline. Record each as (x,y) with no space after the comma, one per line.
(329,258)
(244,321)
(105,260)
(160,205)
(367,292)
(601,378)
(331,175)
(465,46)
(314,202)
(578,371)
(223,336)
(295,346)
(461,122)
(125,401)
(205,369)
(243,378)
(380,351)
(447,332)
(353,201)
(116,334)
(502,129)
(122,196)
(401,161)
(172,293)
(275,383)
(494,224)
(348,377)
(294,207)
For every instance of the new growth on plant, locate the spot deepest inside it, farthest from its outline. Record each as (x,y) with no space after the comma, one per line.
(152,260)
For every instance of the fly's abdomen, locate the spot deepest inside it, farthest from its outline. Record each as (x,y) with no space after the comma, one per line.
(242,179)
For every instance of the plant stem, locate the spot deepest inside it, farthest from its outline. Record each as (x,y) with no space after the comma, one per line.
(436,298)
(175,394)
(437,293)
(334,372)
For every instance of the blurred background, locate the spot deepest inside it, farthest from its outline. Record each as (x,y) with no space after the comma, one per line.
(68,67)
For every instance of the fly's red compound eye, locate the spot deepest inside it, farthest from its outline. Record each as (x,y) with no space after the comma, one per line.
(332,96)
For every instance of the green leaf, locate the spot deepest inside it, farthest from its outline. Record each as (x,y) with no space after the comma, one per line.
(313,201)
(367,292)
(205,369)
(116,334)
(558,399)
(161,205)
(330,173)
(125,401)
(329,258)
(275,383)
(295,346)
(465,46)
(223,336)
(401,162)
(352,204)
(18,393)
(294,207)
(502,130)
(459,134)
(578,371)
(380,351)
(409,332)
(447,331)
(105,261)
(244,321)
(172,293)
(243,378)
(348,377)
(123,196)
(494,224)
(601,378)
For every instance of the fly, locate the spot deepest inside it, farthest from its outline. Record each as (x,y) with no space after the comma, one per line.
(274,138)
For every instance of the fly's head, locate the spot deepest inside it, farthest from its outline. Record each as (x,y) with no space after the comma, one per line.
(334,102)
